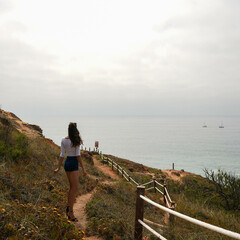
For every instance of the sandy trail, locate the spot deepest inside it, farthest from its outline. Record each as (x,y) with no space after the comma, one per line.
(105,169)
(81,201)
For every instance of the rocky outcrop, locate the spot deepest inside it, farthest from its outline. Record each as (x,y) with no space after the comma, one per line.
(29,129)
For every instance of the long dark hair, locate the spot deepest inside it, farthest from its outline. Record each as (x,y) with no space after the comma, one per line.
(74,135)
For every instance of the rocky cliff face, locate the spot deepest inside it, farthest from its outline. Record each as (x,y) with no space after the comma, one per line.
(30,130)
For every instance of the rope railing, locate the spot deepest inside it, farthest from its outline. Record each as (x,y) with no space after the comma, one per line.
(159,191)
(140,212)
(166,197)
(167,202)
(153,223)
(169,207)
(127,176)
(147,183)
(151,230)
(159,184)
(167,194)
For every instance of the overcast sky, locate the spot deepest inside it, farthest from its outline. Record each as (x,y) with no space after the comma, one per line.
(125,57)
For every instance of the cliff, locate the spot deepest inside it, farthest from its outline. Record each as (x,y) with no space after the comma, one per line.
(33,199)
(23,127)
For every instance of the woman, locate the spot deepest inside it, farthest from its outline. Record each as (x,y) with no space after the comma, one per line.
(71,146)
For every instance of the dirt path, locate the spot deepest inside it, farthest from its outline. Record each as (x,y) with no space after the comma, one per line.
(81,201)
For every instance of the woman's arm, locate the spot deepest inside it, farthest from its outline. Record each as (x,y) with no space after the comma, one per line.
(61,157)
(59,164)
(81,163)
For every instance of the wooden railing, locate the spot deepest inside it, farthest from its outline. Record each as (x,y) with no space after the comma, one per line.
(120,170)
(155,184)
(169,207)
(140,222)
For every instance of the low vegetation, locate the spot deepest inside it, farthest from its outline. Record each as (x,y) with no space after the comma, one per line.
(33,199)
(194,195)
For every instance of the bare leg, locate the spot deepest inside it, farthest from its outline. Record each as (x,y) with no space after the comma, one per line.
(73,178)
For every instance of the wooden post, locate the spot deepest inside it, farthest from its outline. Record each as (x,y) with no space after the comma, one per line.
(139,213)
(154,185)
(173,166)
(89,149)
(122,172)
(117,169)
(172,219)
(112,165)
(129,178)
(164,194)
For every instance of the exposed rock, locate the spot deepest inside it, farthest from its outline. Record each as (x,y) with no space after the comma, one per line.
(31,130)
(35,127)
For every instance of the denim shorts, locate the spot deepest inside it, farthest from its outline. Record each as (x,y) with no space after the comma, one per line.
(71,164)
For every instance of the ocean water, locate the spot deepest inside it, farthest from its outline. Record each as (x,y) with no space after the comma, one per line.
(158,141)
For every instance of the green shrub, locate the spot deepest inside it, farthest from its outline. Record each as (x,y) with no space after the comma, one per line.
(226,187)
(2,149)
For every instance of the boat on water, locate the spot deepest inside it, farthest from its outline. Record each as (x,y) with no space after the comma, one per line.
(204,125)
(221,126)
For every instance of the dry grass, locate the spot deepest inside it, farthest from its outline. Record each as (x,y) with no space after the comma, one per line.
(118,202)
(32,197)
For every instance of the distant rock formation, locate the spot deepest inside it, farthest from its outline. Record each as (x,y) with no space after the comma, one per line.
(29,129)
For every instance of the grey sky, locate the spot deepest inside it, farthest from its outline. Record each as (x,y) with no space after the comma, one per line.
(107,57)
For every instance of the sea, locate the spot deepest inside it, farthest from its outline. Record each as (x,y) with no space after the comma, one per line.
(158,142)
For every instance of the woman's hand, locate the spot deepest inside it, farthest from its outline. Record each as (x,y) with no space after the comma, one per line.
(59,165)
(56,170)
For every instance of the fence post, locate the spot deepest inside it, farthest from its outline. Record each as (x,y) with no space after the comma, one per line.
(117,169)
(173,166)
(164,194)
(122,172)
(171,217)
(154,185)
(139,213)
(89,149)
(129,179)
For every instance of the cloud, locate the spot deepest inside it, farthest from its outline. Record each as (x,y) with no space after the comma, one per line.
(183,61)
(5,6)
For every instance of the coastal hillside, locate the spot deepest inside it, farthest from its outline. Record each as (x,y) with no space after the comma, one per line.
(33,199)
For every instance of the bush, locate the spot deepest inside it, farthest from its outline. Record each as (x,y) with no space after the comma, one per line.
(226,187)
(13,144)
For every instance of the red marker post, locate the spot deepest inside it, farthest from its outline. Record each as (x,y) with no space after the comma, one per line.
(96,144)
